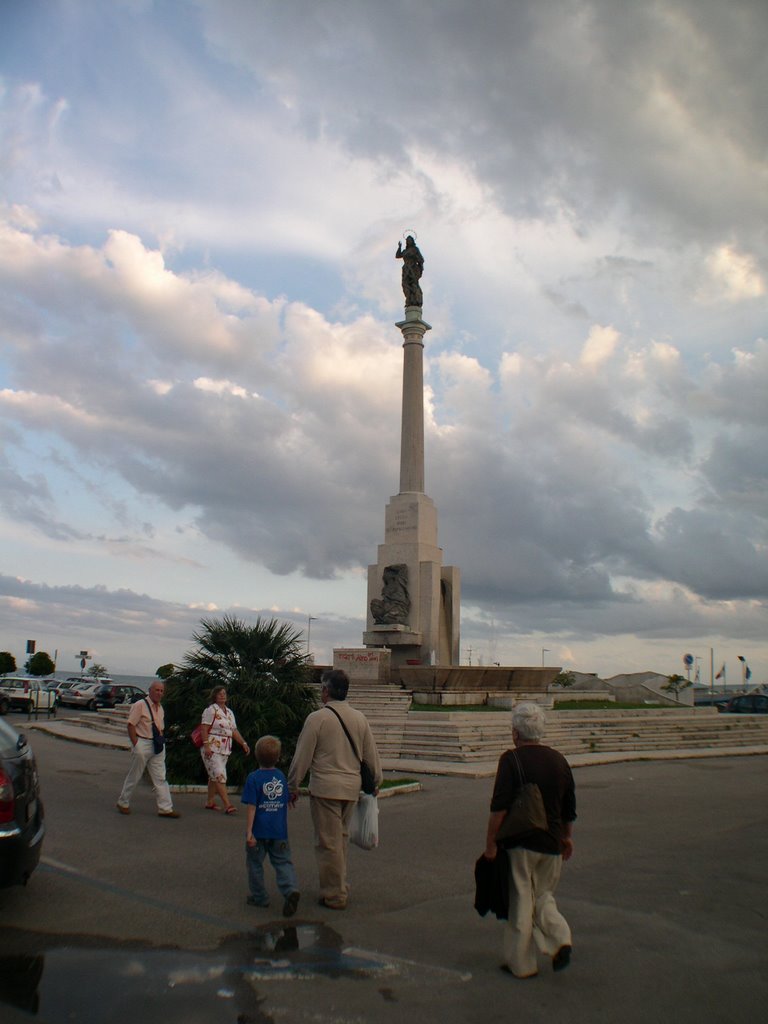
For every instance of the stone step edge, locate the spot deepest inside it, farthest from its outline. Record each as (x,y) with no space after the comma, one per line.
(582,760)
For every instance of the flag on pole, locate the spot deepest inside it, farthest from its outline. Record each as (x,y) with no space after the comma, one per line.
(741,657)
(747,672)
(721,673)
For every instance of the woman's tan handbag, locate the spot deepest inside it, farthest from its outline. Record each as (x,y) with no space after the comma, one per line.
(526,813)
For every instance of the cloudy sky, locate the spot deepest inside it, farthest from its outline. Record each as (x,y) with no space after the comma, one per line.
(200,373)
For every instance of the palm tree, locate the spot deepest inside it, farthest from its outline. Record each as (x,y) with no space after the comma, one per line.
(265,671)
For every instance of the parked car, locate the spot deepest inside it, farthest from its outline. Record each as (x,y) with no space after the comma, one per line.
(68,684)
(58,687)
(83,695)
(746,704)
(25,693)
(21,810)
(709,702)
(76,681)
(108,695)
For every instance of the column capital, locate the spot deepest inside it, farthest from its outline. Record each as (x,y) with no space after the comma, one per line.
(413,324)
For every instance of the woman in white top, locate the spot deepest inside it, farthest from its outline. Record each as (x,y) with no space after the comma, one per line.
(219,728)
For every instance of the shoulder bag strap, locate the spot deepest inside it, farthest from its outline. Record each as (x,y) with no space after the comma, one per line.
(519,768)
(215,716)
(151,714)
(346,730)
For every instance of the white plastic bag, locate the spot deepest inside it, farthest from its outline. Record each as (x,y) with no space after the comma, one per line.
(364,830)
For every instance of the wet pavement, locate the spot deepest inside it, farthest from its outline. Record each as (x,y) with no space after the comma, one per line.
(84,980)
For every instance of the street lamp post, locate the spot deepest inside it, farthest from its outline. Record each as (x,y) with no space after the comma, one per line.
(310,620)
(544,650)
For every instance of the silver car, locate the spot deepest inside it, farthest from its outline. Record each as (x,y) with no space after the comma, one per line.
(82,695)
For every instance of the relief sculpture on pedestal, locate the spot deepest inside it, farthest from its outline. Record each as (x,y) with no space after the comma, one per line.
(394,605)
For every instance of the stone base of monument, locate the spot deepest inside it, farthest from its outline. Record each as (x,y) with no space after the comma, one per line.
(503,700)
(376,665)
(473,678)
(363,665)
(393,635)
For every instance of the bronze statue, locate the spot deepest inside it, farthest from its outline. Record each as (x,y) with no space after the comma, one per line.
(394,605)
(413,267)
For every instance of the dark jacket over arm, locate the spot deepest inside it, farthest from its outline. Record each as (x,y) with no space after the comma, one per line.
(492,885)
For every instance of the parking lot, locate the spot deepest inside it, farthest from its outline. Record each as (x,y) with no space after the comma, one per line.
(141,917)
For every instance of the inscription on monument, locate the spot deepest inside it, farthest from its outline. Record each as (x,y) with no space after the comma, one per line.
(363,665)
(402,519)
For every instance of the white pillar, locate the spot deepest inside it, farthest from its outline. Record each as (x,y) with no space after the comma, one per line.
(412,427)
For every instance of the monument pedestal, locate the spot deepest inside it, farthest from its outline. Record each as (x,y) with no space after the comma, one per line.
(429,634)
(369,667)
(389,634)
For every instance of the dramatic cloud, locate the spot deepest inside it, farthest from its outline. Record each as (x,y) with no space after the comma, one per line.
(200,377)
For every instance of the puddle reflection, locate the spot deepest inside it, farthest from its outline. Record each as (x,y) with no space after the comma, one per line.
(82,980)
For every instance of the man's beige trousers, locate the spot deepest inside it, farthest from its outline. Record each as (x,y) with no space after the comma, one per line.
(331,819)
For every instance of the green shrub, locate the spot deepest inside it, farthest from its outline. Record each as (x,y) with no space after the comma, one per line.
(266,675)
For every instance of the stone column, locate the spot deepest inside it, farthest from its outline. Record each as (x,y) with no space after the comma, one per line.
(412,428)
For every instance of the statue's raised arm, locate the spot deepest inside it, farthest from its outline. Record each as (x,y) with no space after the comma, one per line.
(413,267)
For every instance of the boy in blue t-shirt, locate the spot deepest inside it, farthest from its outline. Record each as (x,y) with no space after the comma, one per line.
(266,795)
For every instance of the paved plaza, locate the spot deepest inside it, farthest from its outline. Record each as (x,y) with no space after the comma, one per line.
(142,918)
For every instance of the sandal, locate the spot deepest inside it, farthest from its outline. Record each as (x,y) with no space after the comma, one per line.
(211,807)
(230,809)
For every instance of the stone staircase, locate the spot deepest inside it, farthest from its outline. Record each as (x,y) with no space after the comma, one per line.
(387,711)
(480,737)
(577,732)
(385,707)
(465,737)
(109,720)
(473,740)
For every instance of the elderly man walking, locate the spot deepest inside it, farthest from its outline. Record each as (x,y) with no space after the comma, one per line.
(146,727)
(333,760)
